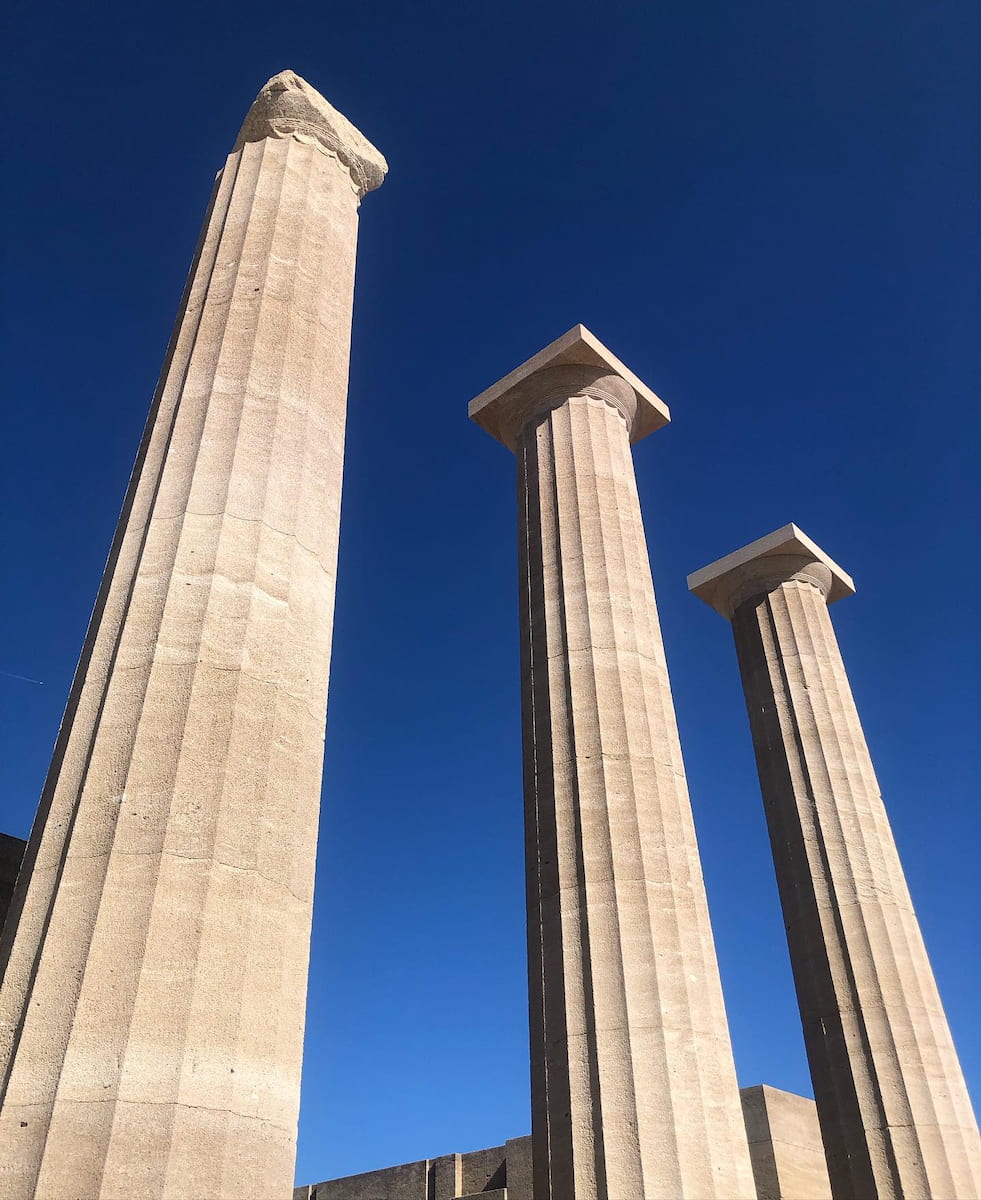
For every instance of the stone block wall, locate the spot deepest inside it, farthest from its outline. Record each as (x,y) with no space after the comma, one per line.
(784,1142)
(785,1145)
(499,1173)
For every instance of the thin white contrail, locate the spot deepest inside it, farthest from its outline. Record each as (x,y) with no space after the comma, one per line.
(22,678)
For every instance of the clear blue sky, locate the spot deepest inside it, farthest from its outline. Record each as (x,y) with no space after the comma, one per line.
(765,210)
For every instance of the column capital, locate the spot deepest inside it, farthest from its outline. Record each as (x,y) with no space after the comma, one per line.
(287,106)
(575,364)
(787,553)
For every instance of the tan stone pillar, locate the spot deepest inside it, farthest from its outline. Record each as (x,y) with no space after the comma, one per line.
(633,1088)
(895,1114)
(153,1002)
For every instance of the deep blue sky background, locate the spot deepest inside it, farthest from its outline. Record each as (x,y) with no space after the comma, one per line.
(765,210)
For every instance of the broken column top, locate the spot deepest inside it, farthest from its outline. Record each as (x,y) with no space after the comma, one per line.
(724,584)
(503,409)
(289,107)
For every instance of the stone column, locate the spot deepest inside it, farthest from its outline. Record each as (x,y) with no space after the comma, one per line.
(895,1114)
(153,1001)
(633,1087)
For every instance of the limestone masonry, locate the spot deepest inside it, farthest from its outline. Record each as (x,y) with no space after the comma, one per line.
(782,1130)
(895,1113)
(151,1013)
(153,960)
(633,1084)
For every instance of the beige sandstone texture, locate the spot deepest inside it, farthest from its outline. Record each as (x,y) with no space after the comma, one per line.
(785,1145)
(894,1110)
(633,1087)
(151,1015)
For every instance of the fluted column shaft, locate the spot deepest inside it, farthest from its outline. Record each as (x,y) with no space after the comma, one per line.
(895,1114)
(633,1085)
(153,1002)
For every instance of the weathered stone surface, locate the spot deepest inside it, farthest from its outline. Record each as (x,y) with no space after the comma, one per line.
(633,1087)
(409,1181)
(483,1170)
(785,1145)
(288,107)
(895,1114)
(151,1015)
(448,1177)
(519,1169)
